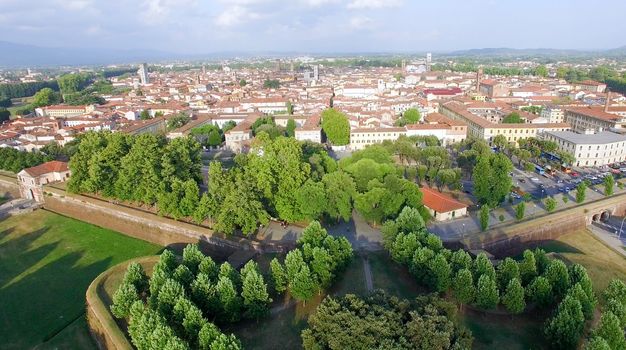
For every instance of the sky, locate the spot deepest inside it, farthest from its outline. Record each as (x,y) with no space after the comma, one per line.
(314,26)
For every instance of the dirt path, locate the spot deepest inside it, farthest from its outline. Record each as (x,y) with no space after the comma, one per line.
(369,285)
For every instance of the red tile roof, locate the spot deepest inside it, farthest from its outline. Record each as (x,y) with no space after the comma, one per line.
(440,202)
(54,166)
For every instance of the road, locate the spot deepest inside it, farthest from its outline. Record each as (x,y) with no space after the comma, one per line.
(608,232)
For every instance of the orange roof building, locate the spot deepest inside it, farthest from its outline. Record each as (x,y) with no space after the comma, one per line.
(441,206)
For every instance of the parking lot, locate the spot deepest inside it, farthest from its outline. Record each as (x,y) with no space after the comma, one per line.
(542,186)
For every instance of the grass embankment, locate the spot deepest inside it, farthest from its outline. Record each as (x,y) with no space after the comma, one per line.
(47,261)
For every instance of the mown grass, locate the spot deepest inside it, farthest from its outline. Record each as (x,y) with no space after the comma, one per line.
(47,261)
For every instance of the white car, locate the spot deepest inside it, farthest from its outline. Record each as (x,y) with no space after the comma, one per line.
(534,179)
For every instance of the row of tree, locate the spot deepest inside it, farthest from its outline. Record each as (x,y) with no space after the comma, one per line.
(14,161)
(18,90)
(180,304)
(609,333)
(535,280)
(313,265)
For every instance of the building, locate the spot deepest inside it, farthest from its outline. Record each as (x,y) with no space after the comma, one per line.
(143,74)
(31,180)
(310,130)
(493,88)
(480,127)
(590,86)
(442,207)
(362,137)
(590,149)
(64,111)
(553,114)
(589,120)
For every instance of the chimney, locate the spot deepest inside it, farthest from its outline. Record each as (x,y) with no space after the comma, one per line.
(608,101)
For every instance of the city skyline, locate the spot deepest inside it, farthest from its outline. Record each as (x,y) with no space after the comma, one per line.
(316,26)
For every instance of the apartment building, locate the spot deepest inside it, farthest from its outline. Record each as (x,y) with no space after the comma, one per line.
(63,111)
(362,137)
(590,120)
(590,149)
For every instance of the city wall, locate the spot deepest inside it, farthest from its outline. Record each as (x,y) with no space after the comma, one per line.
(9,186)
(512,239)
(141,224)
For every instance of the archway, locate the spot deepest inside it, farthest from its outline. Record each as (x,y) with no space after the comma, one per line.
(605,215)
(596,218)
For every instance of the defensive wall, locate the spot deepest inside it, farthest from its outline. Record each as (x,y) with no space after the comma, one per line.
(505,240)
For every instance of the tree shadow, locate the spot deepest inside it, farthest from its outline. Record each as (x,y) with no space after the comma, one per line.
(26,257)
(43,302)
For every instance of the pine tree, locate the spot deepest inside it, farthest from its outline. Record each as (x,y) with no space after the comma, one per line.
(566,327)
(207,335)
(611,330)
(588,306)
(528,267)
(558,276)
(293,263)
(229,300)
(168,294)
(123,299)
(487,295)
(255,296)
(482,266)
(439,273)
(226,342)
(513,298)
(279,277)
(463,286)
(540,292)
(507,270)
(226,270)
(459,260)
(192,257)
(303,286)
(209,268)
(136,276)
(183,275)
(321,266)
(597,343)
(204,295)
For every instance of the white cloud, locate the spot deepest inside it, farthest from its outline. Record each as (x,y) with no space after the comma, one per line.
(373,4)
(360,22)
(75,5)
(235,15)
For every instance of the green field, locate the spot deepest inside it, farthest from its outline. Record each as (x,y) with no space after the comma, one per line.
(47,261)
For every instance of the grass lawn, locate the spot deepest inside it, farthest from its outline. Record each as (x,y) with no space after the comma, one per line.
(47,261)
(602,263)
(503,332)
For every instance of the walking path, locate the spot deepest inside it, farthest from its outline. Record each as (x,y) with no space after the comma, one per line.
(608,238)
(369,285)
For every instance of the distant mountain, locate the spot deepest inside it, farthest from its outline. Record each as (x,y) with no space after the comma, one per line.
(509,52)
(21,55)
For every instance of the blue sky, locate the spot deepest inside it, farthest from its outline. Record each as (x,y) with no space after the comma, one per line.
(203,26)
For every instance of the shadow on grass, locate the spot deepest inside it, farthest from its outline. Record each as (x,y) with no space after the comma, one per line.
(41,292)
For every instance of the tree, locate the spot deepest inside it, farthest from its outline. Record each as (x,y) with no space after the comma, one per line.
(290,130)
(507,270)
(513,118)
(500,141)
(484,217)
(271,84)
(527,267)
(513,298)
(520,210)
(311,199)
(144,115)
(255,296)
(463,287)
(229,300)
(289,109)
(541,71)
(243,82)
(566,327)
(46,97)
(581,190)
(411,116)
(492,182)
(558,276)
(123,299)
(597,343)
(5,115)
(177,121)
(167,297)
(303,285)
(540,292)
(279,277)
(339,191)
(550,204)
(609,185)
(487,295)
(336,127)
(439,273)
(136,276)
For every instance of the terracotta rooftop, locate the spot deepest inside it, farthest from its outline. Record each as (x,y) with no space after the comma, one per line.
(54,166)
(440,202)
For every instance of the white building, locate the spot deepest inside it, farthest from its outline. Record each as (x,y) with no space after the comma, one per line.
(590,149)
(362,137)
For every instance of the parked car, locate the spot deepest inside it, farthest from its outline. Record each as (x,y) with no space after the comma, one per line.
(573,173)
(522,180)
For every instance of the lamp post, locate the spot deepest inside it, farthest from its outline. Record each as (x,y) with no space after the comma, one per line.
(620,228)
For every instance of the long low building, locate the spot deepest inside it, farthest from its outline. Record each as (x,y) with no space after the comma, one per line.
(362,137)
(590,149)
(479,127)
